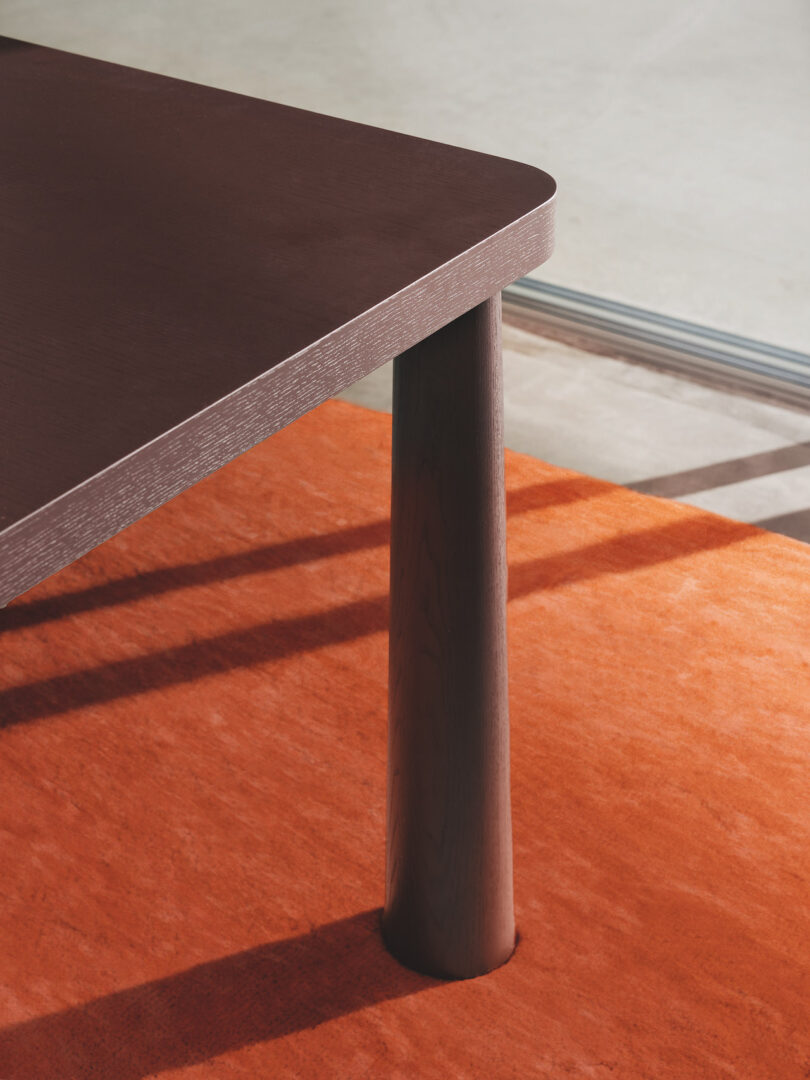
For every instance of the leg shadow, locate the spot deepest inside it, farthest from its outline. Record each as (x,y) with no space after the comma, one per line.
(251,997)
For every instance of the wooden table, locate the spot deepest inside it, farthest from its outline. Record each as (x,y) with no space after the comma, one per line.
(183,271)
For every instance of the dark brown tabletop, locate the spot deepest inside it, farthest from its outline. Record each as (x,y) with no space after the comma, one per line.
(184,270)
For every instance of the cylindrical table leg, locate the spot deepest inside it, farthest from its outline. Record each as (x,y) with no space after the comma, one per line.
(448,905)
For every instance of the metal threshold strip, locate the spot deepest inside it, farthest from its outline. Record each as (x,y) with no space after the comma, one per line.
(606,326)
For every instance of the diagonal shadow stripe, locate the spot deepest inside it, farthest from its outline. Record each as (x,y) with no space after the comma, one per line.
(196,660)
(707,477)
(630,551)
(263,560)
(251,997)
(283,637)
(174,578)
(796,524)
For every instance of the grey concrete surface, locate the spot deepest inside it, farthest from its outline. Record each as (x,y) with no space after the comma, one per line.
(637,426)
(678,132)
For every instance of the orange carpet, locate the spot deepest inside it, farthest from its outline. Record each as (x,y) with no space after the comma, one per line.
(193,754)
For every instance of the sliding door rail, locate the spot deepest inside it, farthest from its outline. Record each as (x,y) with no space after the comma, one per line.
(606,326)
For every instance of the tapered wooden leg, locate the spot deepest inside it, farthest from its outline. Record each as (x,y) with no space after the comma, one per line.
(448,904)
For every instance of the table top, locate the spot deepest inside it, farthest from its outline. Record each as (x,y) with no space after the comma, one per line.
(184,270)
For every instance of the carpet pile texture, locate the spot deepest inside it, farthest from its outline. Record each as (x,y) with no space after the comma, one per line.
(193,774)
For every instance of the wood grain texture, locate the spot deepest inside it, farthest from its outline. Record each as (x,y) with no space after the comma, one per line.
(449,908)
(183,271)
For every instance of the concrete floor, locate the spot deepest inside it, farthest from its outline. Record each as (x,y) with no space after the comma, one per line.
(746,459)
